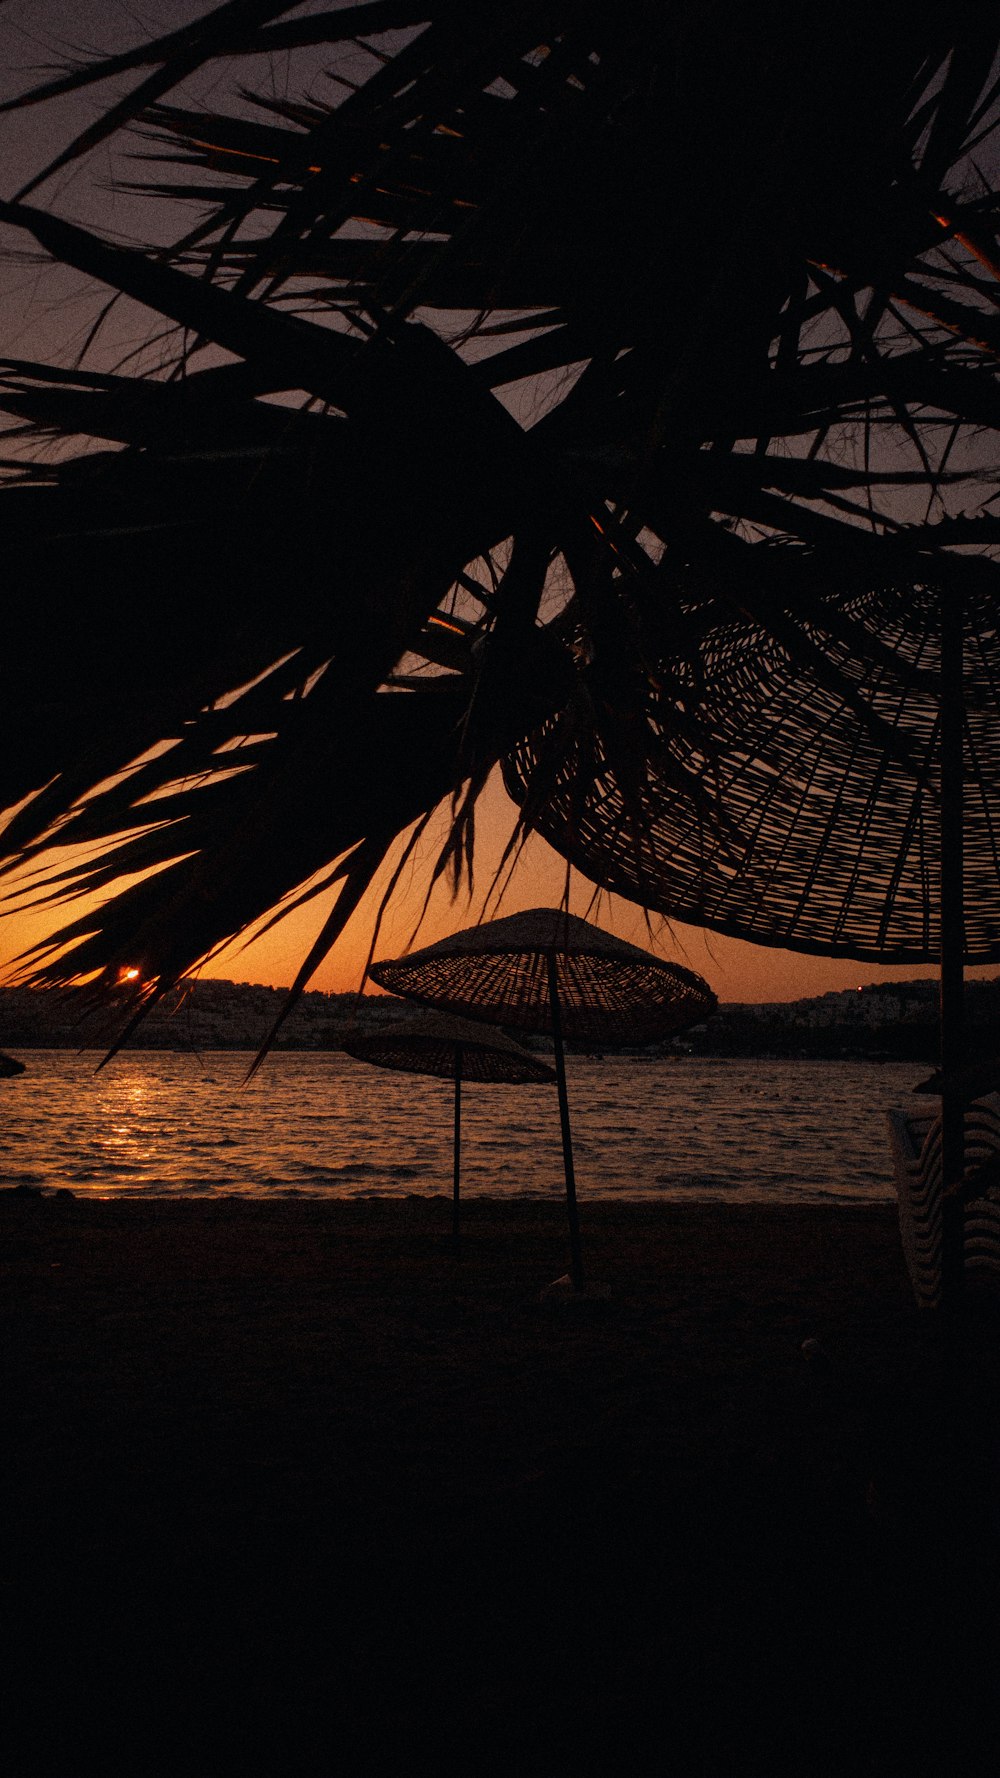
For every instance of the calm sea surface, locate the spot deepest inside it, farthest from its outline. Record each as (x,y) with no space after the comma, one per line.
(324,1125)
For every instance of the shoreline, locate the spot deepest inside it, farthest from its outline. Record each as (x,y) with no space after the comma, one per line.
(293,1485)
(737,1198)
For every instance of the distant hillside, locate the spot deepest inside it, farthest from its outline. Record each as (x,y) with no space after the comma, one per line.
(898,1021)
(208,1015)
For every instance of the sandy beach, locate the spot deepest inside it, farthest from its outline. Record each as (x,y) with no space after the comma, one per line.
(292,1488)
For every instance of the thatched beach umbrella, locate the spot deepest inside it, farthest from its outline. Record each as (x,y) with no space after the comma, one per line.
(452,1049)
(851,743)
(548,971)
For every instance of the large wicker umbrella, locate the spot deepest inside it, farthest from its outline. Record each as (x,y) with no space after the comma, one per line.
(850,745)
(547,971)
(452,1049)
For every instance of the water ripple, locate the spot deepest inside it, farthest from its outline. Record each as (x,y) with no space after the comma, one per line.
(323,1125)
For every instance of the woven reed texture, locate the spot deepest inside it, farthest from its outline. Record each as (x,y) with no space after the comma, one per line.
(610,992)
(426,1043)
(811,834)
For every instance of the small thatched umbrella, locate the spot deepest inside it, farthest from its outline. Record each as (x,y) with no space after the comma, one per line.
(453,1049)
(547,971)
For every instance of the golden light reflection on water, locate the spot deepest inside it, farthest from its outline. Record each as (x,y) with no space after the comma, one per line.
(128,1144)
(314,1124)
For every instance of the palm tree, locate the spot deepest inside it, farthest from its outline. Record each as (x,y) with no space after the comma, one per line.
(331,562)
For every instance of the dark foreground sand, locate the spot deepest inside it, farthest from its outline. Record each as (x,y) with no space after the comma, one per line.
(288,1488)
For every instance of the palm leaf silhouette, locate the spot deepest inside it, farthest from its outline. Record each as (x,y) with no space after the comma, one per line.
(695,318)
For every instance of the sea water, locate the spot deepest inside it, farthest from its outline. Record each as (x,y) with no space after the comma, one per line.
(320,1124)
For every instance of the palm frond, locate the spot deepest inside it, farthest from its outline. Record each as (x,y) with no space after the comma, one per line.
(701,312)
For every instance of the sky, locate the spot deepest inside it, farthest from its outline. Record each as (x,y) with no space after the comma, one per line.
(734,970)
(40,312)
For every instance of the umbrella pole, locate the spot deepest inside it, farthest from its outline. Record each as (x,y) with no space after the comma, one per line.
(457,1169)
(576,1256)
(952,949)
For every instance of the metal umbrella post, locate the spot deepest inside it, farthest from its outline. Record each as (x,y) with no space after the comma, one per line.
(952,914)
(457,1167)
(576,1255)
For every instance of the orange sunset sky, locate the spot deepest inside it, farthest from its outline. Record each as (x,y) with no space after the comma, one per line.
(734,969)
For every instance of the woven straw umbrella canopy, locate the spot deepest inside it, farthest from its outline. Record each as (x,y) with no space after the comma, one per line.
(609,992)
(452,1049)
(821,766)
(849,753)
(548,971)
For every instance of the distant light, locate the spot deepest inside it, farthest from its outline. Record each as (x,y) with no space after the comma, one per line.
(128,975)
